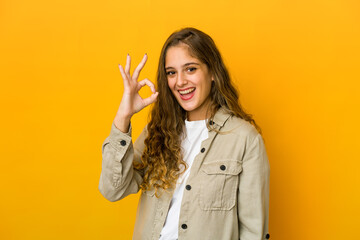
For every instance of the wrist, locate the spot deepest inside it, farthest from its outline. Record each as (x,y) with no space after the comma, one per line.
(122,123)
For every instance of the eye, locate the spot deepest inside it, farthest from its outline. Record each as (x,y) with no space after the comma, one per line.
(170,73)
(191,69)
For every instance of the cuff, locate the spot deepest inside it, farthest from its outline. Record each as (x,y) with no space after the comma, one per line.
(119,140)
(117,131)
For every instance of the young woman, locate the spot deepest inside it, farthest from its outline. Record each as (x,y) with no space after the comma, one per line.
(200,162)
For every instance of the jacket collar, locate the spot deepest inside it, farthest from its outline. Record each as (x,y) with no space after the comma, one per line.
(221,116)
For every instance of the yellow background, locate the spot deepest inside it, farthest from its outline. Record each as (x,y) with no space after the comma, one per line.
(296,64)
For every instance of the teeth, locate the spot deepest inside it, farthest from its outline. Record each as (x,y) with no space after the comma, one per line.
(187,91)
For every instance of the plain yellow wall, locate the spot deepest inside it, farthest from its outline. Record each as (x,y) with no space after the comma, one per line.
(296,64)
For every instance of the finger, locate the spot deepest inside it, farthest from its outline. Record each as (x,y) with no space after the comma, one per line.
(146,82)
(139,68)
(124,77)
(127,66)
(151,99)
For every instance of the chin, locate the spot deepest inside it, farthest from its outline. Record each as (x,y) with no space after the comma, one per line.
(188,108)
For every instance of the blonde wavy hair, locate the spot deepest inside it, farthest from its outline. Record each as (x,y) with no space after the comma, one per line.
(162,156)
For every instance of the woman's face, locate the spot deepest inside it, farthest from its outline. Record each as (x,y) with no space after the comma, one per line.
(189,80)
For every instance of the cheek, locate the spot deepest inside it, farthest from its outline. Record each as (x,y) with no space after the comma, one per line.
(207,89)
(171,84)
(205,83)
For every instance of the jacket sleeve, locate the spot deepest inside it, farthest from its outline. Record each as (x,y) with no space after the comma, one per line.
(253,199)
(118,178)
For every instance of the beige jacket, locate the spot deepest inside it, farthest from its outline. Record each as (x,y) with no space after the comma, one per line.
(226,195)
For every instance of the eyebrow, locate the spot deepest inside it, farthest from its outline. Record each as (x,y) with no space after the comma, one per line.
(186,64)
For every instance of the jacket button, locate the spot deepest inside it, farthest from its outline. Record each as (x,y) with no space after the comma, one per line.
(203,150)
(211,122)
(183,226)
(267,236)
(188,187)
(223,167)
(123,142)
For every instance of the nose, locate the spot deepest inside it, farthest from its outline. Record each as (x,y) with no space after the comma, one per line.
(181,80)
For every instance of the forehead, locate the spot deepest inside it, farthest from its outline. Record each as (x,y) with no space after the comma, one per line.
(179,55)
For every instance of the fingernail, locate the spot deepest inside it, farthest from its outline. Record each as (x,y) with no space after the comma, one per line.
(145,53)
(128,54)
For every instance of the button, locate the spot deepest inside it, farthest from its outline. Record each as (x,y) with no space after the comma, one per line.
(188,187)
(203,150)
(123,142)
(267,236)
(223,167)
(211,122)
(183,226)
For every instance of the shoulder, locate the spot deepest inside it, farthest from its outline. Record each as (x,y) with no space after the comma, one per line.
(241,128)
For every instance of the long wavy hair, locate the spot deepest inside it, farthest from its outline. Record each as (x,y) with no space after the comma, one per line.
(162,156)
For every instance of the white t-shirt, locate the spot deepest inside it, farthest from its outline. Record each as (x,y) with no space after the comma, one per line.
(196,132)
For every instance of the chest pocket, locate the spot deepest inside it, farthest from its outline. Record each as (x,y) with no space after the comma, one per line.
(219,183)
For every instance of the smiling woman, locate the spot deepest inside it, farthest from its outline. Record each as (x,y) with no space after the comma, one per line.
(201,161)
(189,80)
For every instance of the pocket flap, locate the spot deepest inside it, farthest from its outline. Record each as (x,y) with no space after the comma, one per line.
(232,167)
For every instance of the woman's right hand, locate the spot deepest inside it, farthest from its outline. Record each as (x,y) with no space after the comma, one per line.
(131,101)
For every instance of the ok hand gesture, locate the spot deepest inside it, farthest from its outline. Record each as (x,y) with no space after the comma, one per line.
(132,102)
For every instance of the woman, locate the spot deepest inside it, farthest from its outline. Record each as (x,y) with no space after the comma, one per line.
(201,161)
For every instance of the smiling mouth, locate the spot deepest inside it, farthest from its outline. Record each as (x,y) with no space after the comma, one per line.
(187,91)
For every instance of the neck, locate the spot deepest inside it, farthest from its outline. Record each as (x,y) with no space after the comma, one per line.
(200,114)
